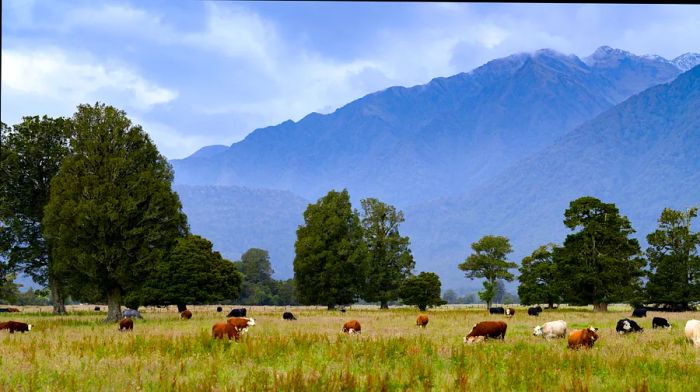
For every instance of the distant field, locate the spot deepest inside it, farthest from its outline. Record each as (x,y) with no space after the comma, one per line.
(79,353)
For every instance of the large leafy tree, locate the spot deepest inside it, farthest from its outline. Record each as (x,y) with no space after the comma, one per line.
(331,257)
(112,215)
(390,259)
(192,273)
(674,277)
(489,262)
(422,291)
(30,156)
(258,285)
(538,278)
(599,263)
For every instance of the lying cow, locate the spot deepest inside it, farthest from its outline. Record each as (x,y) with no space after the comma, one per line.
(583,338)
(639,312)
(288,316)
(219,309)
(534,311)
(626,326)
(485,330)
(510,312)
(352,327)
(241,323)
(186,314)
(15,326)
(497,310)
(551,330)
(132,313)
(237,312)
(692,332)
(660,322)
(422,321)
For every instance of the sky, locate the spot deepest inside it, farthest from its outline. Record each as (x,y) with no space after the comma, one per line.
(198,73)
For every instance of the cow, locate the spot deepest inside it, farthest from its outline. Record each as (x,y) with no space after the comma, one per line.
(510,312)
(241,323)
(352,327)
(288,316)
(534,311)
(97,308)
(237,312)
(15,326)
(660,322)
(692,332)
(219,309)
(422,321)
(552,329)
(126,324)
(4,310)
(639,312)
(186,314)
(583,338)
(132,313)
(13,310)
(497,310)
(626,326)
(220,329)
(487,329)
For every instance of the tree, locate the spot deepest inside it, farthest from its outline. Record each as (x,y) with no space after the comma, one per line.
(390,259)
(258,285)
(599,263)
(30,156)
(489,261)
(538,283)
(192,273)
(112,215)
(674,276)
(9,290)
(422,290)
(331,257)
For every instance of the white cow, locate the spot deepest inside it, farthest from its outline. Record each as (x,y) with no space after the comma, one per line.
(692,332)
(552,329)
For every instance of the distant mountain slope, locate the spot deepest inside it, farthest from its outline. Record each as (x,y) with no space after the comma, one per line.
(236,219)
(643,155)
(408,145)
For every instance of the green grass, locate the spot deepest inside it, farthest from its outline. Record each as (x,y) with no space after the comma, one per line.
(79,353)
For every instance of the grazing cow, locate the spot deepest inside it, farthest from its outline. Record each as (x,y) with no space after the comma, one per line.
(288,316)
(626,326)
(219,309)
(497,310)
(487,329)
(583,338)
(126,324)
(97,308)
(220,329)
(660,322)
(692,332)
(4,310)
(639,312)
(15,326)
(241,323)
(132,313)
(186,314)
(422,321)
(352,327)
(534,311)
(510,312)
(237,312)
(552,329)
(13,310)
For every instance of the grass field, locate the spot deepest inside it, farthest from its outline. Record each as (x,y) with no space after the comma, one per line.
(79,353)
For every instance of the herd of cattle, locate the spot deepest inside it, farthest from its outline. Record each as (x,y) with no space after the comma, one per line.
(237,324)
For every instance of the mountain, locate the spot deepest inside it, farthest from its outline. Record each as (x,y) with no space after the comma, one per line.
(643,155)
(236,219)
(686,61)
(445,138)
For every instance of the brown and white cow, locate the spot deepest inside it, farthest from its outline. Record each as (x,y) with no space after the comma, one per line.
(13,310)
(510,312)
(485,330)
(186,314)
(583,338)
(352,327)
(126,324)
(422,321)
(15,326)
(219,330)
(241,323)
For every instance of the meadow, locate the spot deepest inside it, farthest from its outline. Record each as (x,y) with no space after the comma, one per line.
(78,353)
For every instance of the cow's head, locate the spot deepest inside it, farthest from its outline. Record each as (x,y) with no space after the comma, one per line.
(29,327)
(251,322)
(537,331)
(474,339)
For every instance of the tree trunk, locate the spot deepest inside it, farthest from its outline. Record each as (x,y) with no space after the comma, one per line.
(422,307)
(384,305)
(114,306)
(331,306)
(600,307)
(550,305)
(57,299)
(181,307)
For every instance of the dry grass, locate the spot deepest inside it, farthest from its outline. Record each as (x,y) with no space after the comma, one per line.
(77,352)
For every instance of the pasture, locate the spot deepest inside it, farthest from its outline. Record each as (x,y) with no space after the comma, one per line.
(78,353)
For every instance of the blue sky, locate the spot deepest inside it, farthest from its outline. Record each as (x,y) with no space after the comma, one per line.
(197,73)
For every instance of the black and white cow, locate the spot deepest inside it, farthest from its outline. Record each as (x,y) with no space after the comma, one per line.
(497,310)
(626,326)
(660,322)
(639,312)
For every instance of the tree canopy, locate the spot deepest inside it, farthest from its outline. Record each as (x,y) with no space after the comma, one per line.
(422,291)
(489,262)
(538,278)
(330,264)
(112,215)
